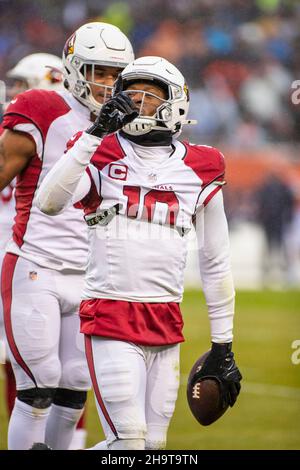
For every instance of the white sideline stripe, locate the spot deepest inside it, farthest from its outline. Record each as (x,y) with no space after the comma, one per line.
(278,391)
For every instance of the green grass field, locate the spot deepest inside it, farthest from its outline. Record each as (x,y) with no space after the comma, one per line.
(267,415)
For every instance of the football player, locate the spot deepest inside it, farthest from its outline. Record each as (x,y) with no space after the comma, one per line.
(41,276)
(142,191)
(40,70)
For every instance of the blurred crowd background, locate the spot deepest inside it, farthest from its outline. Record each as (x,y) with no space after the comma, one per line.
(241,60)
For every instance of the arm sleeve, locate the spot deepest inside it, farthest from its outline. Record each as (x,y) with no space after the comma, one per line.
(67,182)
(215,268)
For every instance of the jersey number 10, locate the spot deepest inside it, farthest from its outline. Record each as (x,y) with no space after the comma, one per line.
(148,203)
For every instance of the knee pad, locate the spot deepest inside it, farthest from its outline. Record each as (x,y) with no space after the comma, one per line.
(127,444)
(40,398)
(75,374)
(70,398)
(48,372)
(116,381)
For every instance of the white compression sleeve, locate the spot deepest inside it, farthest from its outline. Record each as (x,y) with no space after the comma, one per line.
(67,180)
(215,269)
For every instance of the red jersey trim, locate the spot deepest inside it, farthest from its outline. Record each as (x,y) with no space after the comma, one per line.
(26,187)
(149,324)
(39,107)
(214,191)
(73,141)
(92,200)
(109,151)
(206,162)
(211,195)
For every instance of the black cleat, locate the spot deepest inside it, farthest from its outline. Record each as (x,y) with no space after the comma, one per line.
(40,446)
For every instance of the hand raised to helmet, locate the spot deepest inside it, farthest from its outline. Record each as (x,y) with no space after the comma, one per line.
(114,114)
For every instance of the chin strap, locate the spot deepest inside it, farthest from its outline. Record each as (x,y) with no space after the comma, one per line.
(142,126)
(151,139)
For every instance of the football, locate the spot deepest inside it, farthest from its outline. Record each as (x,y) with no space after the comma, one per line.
(204,397)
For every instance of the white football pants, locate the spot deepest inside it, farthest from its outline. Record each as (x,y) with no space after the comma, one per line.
(42,325)
(135,388)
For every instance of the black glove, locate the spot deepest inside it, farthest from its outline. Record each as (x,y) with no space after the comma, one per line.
(220,365)
(116,113)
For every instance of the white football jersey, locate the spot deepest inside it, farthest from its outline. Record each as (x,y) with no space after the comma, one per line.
(138,247)
(50,119)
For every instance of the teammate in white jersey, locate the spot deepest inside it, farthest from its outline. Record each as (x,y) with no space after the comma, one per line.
(142,191)
(43,71)
(43,269)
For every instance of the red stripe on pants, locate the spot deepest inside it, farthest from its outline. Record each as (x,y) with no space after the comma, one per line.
(90,361)
(8,269)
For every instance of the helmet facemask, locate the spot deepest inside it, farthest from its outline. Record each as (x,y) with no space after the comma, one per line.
(147,121)
(85,79)
(171,113)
